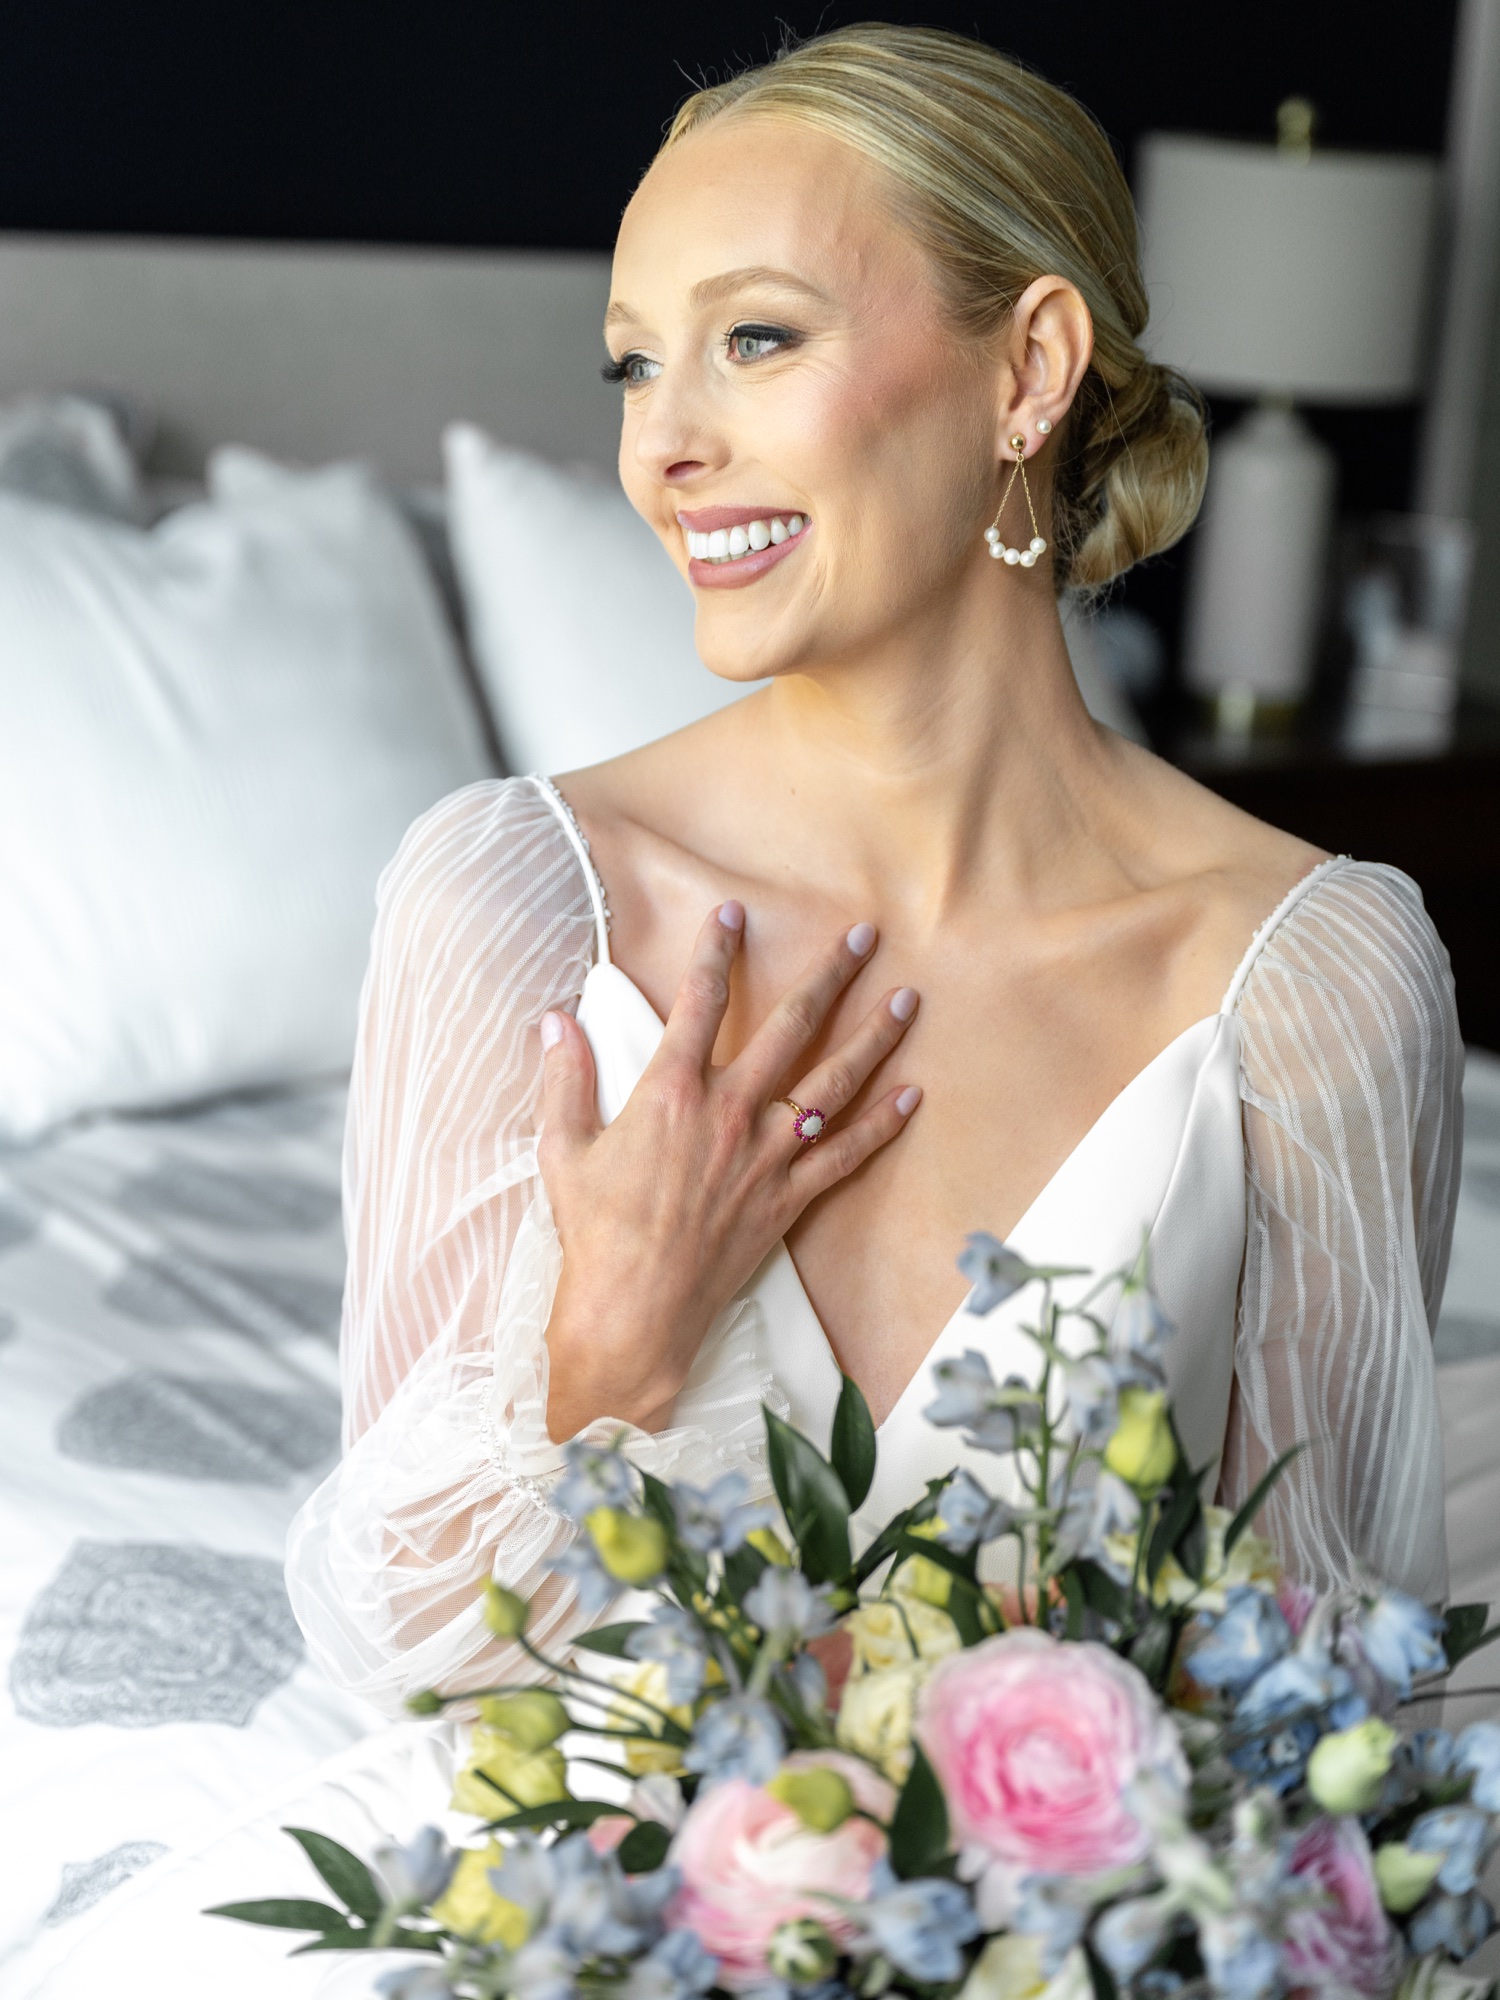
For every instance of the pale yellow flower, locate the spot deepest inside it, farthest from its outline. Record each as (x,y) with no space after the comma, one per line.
(500,1776)
(470,1907)
(1252,1560)
(1010,1968)
(892,1631)
(875,1717)
(648,1680)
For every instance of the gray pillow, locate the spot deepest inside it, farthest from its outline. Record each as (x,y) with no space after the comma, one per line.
(74,451)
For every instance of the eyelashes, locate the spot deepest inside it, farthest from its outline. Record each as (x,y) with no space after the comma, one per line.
(747,342)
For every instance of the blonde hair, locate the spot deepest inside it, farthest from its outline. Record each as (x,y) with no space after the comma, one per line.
(1003,178)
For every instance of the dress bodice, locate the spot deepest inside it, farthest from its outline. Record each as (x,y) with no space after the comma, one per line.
(1291,1161)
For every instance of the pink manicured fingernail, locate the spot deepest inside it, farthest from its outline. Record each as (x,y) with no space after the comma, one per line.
(552,1030)
(732,915)
(908,1101)
(904,1003)
(860,939)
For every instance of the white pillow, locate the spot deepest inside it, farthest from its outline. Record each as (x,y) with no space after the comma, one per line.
(212,736)
(581,628)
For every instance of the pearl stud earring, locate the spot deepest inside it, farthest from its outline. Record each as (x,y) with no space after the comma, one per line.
(1025,557)
(1044,425)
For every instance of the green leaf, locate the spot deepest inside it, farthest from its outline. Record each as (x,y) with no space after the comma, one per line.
(1072,1590)
(1182,1513)
(644,1848)
(284,1913)
(1100,1591)
(1152,1650)
(567,1813)
(883,1545)
(919,1830)
(742,1571)
(853,1444)
(1100,1977)
(1467,1631)
(347,1876)
(609,1639)
(813,1500)
(1252,1506)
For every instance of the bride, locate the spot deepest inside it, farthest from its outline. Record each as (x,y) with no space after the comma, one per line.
(681,1081)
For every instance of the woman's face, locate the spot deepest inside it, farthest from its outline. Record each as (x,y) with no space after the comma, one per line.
(785,360)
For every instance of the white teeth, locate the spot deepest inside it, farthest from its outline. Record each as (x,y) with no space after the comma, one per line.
(730,544)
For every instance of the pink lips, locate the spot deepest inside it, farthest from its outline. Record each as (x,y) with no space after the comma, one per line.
(748,568)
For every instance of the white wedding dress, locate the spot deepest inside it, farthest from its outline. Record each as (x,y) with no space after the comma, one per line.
(1292,1159)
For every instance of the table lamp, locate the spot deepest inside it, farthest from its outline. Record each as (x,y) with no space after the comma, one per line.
(1286,274)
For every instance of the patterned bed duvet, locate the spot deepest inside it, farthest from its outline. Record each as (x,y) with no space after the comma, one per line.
(169,1302)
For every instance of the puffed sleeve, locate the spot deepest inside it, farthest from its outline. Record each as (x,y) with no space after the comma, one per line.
(484,921)
(1351,1075)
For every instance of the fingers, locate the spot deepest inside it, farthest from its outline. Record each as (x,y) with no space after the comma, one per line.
(698,1011)
(570,1113)
(837,1080)
(835,1157)
(793,1023)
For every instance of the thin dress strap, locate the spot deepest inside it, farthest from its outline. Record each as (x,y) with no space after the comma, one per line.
(1263,935)
(568,821)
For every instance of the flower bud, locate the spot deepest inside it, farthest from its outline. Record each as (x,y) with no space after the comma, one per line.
(1346,1771)
(1402,1876)
(801,1952)
(531,1717)
(500,1776)
(632,1547)
(504,1612)
(426,1701)
(820,1798)
(766,1542)
(1142,1451)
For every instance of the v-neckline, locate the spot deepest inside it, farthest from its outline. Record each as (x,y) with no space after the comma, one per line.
(610,966)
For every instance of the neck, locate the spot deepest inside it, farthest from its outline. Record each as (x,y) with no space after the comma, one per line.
(946,766)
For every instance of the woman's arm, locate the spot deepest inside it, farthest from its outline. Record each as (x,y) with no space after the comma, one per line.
(1352,1072)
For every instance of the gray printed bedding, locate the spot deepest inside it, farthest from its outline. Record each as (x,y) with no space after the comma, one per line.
(169,1292)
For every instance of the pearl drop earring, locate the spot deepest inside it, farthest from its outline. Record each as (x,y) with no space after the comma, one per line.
(1025,557)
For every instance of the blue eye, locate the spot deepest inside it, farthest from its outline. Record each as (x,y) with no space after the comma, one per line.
(754,343)
(631,369)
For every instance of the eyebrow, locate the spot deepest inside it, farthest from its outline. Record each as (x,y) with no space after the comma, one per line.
(708,290)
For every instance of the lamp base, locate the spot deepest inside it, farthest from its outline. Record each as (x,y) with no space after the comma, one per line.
(1257,579)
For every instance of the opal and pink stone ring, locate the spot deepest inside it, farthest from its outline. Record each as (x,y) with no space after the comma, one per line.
(808,1125)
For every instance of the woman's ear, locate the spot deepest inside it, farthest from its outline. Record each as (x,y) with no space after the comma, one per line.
(1046,352)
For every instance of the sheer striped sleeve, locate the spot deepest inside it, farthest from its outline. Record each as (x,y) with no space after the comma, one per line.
(484,921)
(1351,1071)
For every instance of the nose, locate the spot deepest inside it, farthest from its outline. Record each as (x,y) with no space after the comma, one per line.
(676,440)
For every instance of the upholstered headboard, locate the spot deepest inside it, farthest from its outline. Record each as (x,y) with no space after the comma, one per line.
(315,352)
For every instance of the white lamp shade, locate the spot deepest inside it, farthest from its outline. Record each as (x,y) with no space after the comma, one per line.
(1275,273)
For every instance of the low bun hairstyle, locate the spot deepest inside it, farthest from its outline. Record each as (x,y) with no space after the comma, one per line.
(1003,179)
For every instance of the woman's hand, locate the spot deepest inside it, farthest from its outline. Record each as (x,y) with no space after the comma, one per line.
(665,1213)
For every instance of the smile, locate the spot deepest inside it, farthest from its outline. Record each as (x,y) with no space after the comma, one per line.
(727,545)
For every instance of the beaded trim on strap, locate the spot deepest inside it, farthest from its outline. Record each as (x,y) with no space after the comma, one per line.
(580,842)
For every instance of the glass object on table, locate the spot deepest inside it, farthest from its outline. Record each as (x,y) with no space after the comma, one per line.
(1404,612)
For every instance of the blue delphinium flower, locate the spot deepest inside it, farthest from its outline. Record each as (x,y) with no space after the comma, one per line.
(810,1682)
(526,1875)
(543,1969)
(1091,1515)
(920,1926)
(784,1602)
(677,1967)
(993,1269)
(967,1396)
(1458,1925)
(718,1516)
(1478,1752)
(595,1586)
(593,1478)
(417,1982)
(1242,1963)
(1247,1637)
(1430,1756)
(1093,1387)
(419,1872)
(739,1737)
(1461,1834)
(1129,1935)
(969,1515)
(674,1638)
(1045,1911)
(1139,1333)
(1400,1638)
(1284,1711)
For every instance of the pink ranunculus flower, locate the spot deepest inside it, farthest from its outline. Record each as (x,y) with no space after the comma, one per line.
(1036,1745)
(1344,1940)
(749,1864)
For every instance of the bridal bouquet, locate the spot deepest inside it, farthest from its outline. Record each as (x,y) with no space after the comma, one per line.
(1148,1767)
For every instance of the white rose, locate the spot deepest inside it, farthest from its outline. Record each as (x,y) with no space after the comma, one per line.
(875,1717)
(891,1634)
(1010,1968)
